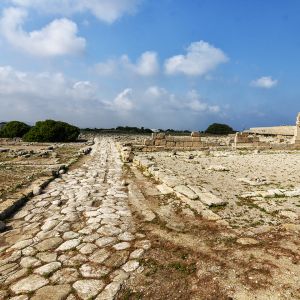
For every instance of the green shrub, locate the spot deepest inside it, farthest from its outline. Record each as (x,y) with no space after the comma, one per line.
(52,131)
(217,128)
(14,129)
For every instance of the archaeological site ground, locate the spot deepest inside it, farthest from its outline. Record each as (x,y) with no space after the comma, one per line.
(125,216)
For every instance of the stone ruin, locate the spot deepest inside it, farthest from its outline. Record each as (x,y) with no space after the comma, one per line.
(162,141)
(274,138)
(297,131)
(244,139)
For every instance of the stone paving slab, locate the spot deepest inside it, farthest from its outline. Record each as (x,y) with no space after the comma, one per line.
(77,239)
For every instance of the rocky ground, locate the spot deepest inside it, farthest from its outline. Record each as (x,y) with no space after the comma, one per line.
(77,239)
(165,227)
(259,188)
(22,163)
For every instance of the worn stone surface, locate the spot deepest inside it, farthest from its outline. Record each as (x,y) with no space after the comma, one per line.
(72,234)
(29,284)
(57,292)
(86,289)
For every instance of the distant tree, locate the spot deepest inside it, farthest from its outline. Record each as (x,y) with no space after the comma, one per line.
(52,131)
(14,129)
(217,128)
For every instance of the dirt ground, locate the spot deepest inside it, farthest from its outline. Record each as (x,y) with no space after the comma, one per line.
(22,163)
(251,252)
(255,257)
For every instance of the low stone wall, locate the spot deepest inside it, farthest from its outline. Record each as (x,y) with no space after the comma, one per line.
(168,142)
(275,130)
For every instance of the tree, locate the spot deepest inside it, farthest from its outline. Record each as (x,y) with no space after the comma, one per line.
(14,129)
(217,128)
(52,131)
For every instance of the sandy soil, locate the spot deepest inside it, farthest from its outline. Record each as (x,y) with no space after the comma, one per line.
(24,163)
(255,257)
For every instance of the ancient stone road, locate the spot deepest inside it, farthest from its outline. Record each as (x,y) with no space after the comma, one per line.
(77,239)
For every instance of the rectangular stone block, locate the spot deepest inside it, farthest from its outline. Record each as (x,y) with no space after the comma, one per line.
(182,138)
(188,144)
(161,135)
(170,144)
(179,144)
(163,142)
(197,144)
(148,142)
(196,139)
(195,134)
(170,138)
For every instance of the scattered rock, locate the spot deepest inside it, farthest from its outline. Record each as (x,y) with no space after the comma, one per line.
(87,289)
(247,241)
(57,292)
(29,284)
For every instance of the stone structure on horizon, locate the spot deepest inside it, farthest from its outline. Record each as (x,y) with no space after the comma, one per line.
(297,131)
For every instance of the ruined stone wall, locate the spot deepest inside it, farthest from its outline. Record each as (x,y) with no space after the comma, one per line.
(275,130)
(164,141)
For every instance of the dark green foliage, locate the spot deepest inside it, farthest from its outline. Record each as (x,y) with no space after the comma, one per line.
(120,129)
(14,129)
(52,131)
(217,128)
(133,129)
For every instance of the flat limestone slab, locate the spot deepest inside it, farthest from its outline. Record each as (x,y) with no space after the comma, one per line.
(164,189)
(186,191)
(210,199)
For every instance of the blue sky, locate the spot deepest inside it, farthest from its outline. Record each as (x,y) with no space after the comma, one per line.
(158,64)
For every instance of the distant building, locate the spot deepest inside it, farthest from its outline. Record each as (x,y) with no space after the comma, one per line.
(275,130)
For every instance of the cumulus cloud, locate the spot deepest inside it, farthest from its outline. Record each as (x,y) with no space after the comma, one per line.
(201,57)
(123,101)
(106,68)
(192,101)
(146,65)
(105,10)
(36,96)
(265,82)
(155,92)
(196,104)
(32,96)
(57,38)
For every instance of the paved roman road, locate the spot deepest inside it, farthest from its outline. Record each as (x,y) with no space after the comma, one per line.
(77,239)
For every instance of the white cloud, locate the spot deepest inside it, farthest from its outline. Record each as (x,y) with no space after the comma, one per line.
(192,101)
(57,38)
(155,92)
(201,58)
(105,10)
(83,90)
(196,104)
(36,96)
(146,65)
(123,101)
(106,68)
(265,82)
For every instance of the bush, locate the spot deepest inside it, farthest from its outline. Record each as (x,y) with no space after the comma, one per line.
(217,128)
(14,129)
(52,131)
